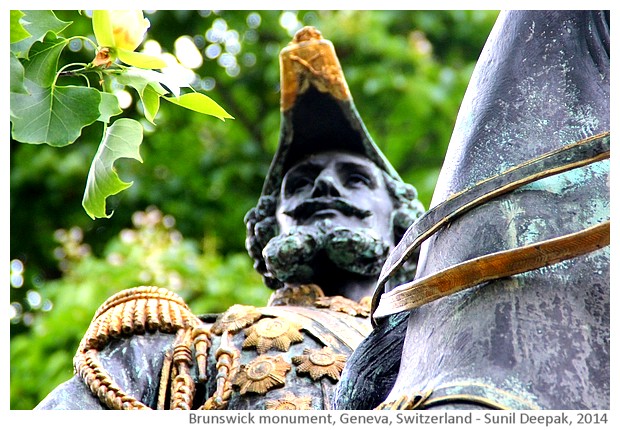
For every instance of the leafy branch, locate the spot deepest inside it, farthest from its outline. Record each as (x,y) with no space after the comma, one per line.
(44,112)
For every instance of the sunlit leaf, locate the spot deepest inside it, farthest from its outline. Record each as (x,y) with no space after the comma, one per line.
(122,140)
(145,82)
(17,30)
(42,63)
(38,23)
(108,107)
(54,115)
(140,59)
(200,103)
(17,76)
(150,101)
(139,79)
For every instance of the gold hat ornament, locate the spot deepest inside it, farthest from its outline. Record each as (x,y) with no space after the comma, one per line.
(317,110)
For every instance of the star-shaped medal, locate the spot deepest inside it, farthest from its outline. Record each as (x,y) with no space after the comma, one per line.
(262,374)
(235,318)
(270,333)
(289,402)
(320,362)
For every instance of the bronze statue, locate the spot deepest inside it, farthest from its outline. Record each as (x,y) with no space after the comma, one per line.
(510,305)
(331,209)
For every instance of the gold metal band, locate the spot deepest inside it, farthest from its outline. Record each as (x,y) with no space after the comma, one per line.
(492,266)
(578,154)
(469,392)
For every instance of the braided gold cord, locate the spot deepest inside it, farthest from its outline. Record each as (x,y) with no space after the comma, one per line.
(152,315)
(127,320)
(102,329)
(183,388)
(164,380)
(164,315)
(152,311)
(137,293)
(139,316)
(201,346)
(90,338)
(116,320)
(101,384)
(135,311)
(175,315)
(227,357)
(182,395)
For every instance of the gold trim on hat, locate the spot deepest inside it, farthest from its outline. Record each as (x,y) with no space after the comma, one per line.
(310,60)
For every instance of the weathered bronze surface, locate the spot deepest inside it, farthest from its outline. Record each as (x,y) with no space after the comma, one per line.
(538,339)
(579,154)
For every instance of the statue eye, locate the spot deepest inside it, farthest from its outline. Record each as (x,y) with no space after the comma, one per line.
(297,183)
(302,182)
(357,179)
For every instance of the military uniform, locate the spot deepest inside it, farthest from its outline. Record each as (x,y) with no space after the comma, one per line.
(287,355)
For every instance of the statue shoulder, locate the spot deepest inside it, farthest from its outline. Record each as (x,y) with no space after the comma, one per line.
(242,352)
(148,311)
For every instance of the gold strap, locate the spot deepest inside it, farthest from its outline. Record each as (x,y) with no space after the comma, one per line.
(470,392)
(578,154)
(493,266)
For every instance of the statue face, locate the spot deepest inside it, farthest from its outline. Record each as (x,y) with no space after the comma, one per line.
(345,188)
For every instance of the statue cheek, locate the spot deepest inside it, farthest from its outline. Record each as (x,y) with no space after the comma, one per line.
(381,221)
(285,223)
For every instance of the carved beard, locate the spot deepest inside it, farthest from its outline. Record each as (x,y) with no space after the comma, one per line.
(295,256)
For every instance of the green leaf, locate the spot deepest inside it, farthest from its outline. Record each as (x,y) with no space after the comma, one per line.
(200,103)
(17,30)
(42,64)
(108,107)
(17,76)
(150,101)
(122,140)
(140,78)
(140,59)
(38,23)
(145,82)
(54,115)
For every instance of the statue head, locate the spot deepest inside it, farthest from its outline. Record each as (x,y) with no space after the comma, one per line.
(332,206)
(336,188)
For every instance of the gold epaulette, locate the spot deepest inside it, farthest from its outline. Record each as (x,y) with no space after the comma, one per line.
(137,311)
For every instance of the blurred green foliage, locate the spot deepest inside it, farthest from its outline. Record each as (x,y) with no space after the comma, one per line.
(407,71)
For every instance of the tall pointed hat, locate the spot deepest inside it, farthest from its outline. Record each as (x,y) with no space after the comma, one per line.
(317,110)
(317,115)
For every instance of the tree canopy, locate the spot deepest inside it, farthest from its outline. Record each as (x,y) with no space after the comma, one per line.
(180,225)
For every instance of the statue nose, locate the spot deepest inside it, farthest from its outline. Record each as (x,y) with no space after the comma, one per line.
(325,185)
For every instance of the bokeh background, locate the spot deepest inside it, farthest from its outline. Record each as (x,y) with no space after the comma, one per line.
(180,225)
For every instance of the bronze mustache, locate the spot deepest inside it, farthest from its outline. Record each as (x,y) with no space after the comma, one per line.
(309,207)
